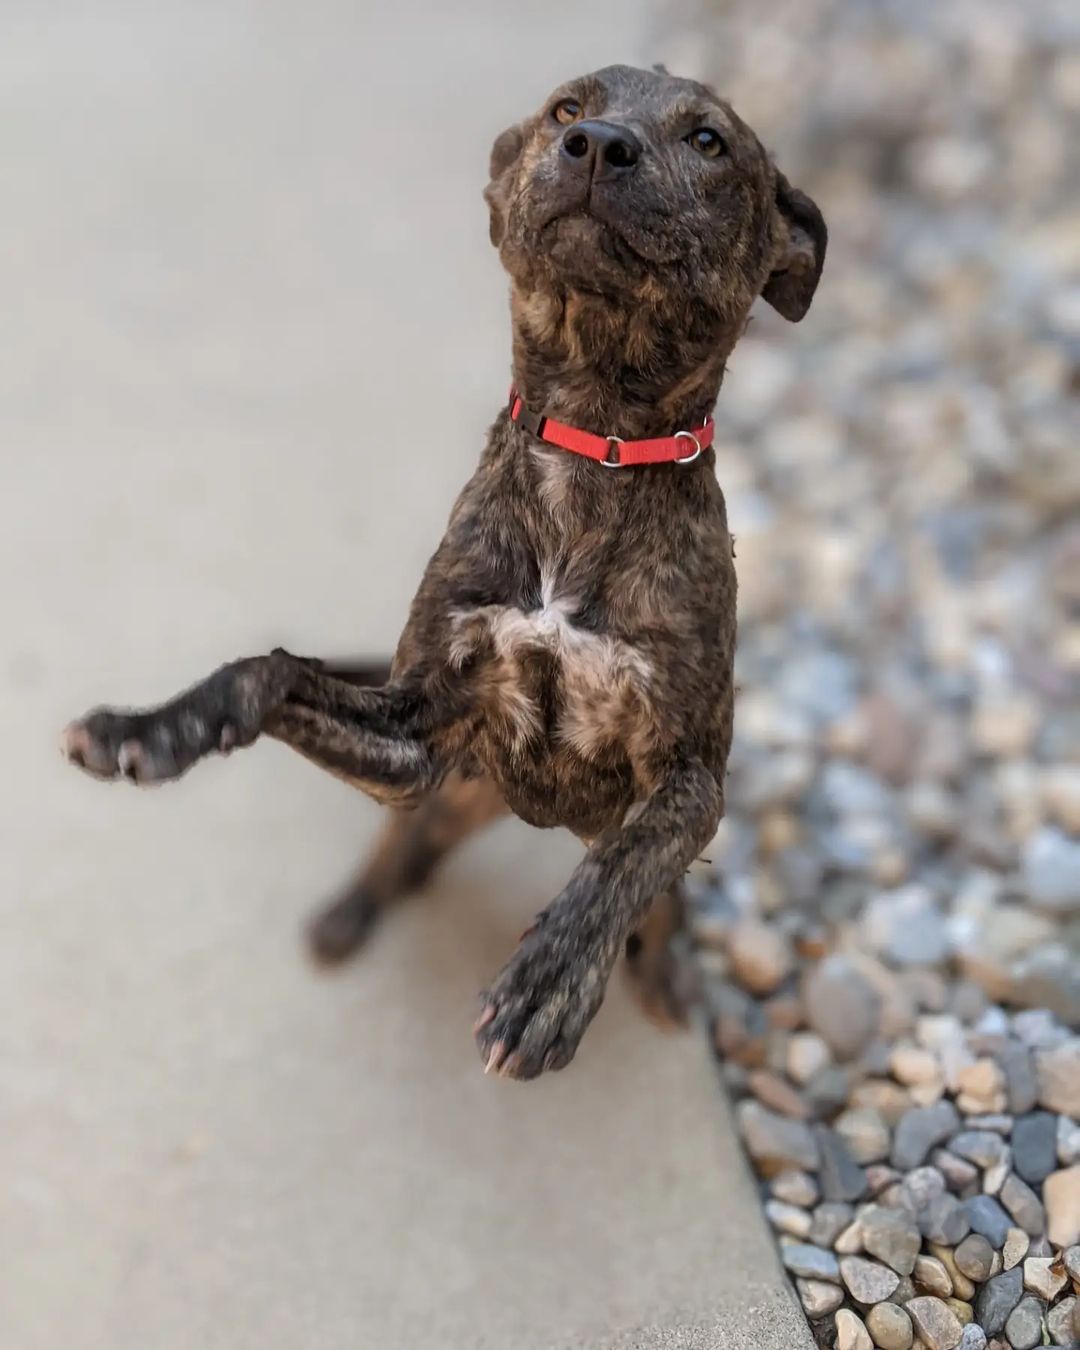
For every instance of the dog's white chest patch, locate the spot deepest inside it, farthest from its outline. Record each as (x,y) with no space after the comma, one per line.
(598,675)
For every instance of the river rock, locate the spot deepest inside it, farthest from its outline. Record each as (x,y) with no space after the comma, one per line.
(774,1142)
(996,1300)
(1024,1205)
(851,1333)
(920,1131)
(867,1281)
(1034,1146)
(935,1323)
(1061,1196)
(1058,1071)
(810,1263)
(841,1006)
(892,1236)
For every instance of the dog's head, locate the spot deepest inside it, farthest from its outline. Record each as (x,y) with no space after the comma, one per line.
(647,189)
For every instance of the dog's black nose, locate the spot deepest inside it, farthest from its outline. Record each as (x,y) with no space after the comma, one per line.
(601,149)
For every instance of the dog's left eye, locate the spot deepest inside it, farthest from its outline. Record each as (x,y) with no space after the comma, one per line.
(706,142)
(567,110)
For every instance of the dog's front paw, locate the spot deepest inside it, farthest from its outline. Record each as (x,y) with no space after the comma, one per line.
(536,1012)
(142,747)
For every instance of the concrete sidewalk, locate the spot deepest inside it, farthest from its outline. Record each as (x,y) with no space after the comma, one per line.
(234,236)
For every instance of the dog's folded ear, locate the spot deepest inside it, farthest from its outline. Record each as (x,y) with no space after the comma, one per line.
(504,155)
(795,276)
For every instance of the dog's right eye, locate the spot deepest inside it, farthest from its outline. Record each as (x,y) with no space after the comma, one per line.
(567,110)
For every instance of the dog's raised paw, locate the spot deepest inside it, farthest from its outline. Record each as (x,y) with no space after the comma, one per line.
(112,744)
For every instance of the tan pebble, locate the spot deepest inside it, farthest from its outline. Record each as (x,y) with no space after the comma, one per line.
(887,1098)
(928,1094)
(1061,1196)
(936,1322)
(910,1065)
(851,1334)
(962,1287)
(1045,1276)
(807,1054)
(850,1241)
(778,830)
(760,955)
(932,1275)
(963,1312)
(1016,1248)
(818,1298)
(889,1327)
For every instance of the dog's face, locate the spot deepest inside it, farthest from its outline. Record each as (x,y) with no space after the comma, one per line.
(643,187)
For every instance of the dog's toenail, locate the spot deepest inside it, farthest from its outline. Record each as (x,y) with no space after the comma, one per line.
(494,1059)
(128,759)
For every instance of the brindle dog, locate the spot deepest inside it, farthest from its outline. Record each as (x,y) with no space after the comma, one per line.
(568,656)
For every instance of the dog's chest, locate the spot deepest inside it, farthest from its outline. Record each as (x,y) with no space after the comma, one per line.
(545,675)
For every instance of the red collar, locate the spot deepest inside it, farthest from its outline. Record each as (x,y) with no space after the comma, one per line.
(613,453)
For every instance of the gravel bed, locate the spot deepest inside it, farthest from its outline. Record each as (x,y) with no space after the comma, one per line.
(889,924)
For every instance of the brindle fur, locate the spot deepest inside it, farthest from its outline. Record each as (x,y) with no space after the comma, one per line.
(568,656)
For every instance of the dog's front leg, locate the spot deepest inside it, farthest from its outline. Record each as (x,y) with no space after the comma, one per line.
(373,737)
(537,1010)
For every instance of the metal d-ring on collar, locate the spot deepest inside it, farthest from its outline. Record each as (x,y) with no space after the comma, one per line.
(607,461)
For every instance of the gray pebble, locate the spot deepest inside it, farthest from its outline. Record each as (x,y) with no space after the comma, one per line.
(945,1220)
(921,1130)
(974,1257)
(818,1298)
(892,1236)
(981,1147)
(829,1089)
(996,1300)
(1021,1085)
(1061,1322)
(921,1186)
(810,1263)
(1068,1141)
(774,1141)
(1024,1325)
(1051,870)
(973,1338)
(1024,1206)
(841,1006)
(936,1323)
(958,1172)
(988,1218)
(867,1281)
(829,1221)
(1034,1146)
(840,1176)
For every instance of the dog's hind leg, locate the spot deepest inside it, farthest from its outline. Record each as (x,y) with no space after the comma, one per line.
(651,961)
(411,846)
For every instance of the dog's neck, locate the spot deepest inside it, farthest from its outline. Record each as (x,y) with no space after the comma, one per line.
(626,369)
